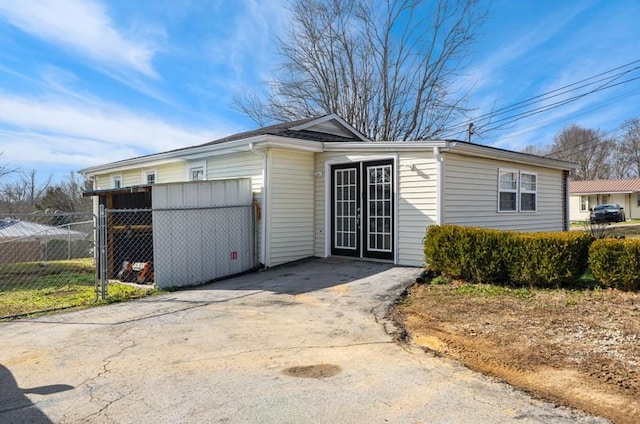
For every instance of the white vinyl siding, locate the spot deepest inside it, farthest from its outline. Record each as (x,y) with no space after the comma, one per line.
(291,206)
(470,195)
(417,204)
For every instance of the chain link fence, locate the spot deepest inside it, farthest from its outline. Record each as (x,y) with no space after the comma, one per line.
(46,262)
(58,261)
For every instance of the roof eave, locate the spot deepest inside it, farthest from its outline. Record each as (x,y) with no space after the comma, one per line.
(377,146)
(478,150)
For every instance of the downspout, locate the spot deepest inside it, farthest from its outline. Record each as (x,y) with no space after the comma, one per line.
(567,199)
(439,185)
(263,223)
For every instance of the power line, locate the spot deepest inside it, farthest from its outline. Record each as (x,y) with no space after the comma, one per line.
(541,109)
(567,89)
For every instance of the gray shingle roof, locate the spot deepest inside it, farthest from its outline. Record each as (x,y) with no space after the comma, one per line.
(284,130)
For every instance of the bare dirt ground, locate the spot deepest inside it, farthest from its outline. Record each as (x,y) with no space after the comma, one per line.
(575,348)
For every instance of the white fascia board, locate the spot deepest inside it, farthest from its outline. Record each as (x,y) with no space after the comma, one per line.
(127,164)
(382,146)
(290,144)
(477,150)
(189,153)
(259,142)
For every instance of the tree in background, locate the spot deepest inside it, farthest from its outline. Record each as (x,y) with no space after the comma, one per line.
(629,149)
(27,195)
(588,148)
(5,170)
(21,196)
(65,197)
(387,67)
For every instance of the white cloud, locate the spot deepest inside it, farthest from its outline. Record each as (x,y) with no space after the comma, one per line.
(82,134)
(81,26)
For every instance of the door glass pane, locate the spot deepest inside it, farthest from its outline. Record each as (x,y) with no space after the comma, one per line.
(345,204)
(379,201)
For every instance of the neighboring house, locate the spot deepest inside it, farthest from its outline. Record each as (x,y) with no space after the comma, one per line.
(586,195)
(326,190)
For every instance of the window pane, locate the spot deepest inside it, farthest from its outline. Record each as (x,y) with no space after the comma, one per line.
(507,201)
(528,202)
(508,181)
(528,182)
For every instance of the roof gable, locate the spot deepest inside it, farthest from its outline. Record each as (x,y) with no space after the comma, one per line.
(324,128)
(605,186)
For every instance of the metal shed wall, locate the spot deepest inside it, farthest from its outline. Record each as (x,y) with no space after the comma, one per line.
(202,231)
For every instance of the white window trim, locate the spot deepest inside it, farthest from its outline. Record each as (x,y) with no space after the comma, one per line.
(147,172)
(516,191)
(194,165)
(521,191)
(584,206)
(113,180)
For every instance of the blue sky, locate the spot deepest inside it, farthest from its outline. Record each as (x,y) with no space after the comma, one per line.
(94,81)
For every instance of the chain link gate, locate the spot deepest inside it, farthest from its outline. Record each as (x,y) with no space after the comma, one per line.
(47,262)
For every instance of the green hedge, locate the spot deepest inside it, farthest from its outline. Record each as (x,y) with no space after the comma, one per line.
(498,257)
(548,259)
(466,253)
(616,263)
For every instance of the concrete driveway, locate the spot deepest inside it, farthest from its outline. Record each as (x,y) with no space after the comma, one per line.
(304,343)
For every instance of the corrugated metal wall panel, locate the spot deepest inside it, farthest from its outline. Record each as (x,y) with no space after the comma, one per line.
(202,231)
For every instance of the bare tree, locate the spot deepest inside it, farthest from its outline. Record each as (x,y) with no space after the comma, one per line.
(21,196)
(385,66)
(629,149)
(6,170)
(588,148)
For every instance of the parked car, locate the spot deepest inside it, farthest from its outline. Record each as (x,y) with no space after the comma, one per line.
(609,212)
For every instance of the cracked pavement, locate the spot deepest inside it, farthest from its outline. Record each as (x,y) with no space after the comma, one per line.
(219,353)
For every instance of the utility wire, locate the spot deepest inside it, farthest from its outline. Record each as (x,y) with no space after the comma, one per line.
(567,89)
(541,109)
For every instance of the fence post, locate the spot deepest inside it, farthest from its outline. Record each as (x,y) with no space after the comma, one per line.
(102,255)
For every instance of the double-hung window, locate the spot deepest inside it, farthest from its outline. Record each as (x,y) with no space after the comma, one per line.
(517,191)
(528,192)
(150,177)
(584,203)
(508,191)
(117,181)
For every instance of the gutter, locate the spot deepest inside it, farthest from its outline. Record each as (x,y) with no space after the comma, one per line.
(439,185)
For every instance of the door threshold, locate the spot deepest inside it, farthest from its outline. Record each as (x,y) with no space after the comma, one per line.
(353,258)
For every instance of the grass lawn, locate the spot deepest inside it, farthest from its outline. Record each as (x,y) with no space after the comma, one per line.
(33,286)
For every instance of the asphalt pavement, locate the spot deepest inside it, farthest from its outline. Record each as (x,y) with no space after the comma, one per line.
(303,343)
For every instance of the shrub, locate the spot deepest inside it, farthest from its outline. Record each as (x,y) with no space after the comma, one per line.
(467,253)
(548,259)
(615,263)
(492,256)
